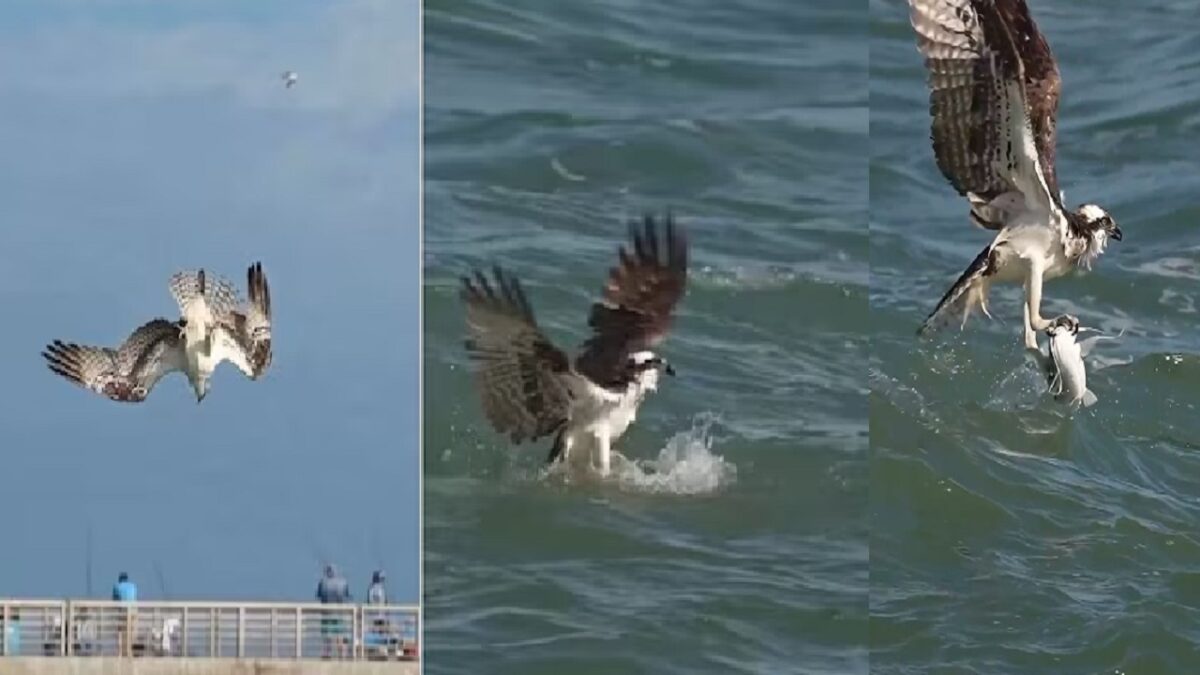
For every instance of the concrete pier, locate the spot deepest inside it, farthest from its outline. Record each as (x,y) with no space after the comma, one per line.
(111,665)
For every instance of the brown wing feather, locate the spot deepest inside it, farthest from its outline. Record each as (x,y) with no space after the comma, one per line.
(518,371)
(244,334)
(125,374)
(636,308)
(972,49)
(1043,85)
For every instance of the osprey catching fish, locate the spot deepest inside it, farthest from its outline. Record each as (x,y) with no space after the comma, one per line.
(531,389)
(994,90)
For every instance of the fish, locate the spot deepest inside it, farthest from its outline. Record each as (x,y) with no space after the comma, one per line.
(1064,366)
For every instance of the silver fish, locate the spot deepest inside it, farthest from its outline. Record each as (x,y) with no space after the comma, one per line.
(1064,366)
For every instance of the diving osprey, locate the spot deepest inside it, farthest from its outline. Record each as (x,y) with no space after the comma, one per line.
(994,97)
(216,326)
(531,389)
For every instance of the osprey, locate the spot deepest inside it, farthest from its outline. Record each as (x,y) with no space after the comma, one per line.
(289,79)
(994,99)
(215,326)
(531,389)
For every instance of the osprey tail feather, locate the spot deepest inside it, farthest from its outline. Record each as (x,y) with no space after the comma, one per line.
(968,292)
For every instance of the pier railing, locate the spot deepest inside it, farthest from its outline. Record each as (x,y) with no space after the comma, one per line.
(208,629)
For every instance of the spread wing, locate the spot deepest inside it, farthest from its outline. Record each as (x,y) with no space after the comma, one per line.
(202,296)
(127,373)
(520,374)
(243,335)
(634,312)
(994,90)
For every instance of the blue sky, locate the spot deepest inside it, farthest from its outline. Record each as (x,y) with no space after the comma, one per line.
(143,137)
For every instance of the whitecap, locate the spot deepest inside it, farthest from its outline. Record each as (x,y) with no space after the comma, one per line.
(562,171)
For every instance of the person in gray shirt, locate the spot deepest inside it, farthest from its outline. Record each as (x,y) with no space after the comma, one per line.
(376,593)
(331,590)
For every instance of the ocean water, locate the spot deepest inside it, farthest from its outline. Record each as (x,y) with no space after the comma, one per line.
(1009,535)
(733,539)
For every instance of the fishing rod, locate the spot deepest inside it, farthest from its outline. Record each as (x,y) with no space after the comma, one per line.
(162,581)
(88,561)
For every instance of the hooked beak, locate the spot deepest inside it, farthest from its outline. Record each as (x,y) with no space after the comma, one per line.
(1116,233)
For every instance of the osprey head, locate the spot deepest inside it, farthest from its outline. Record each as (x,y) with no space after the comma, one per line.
(200,386)
(1099,221)
(1093,223)
(646,366)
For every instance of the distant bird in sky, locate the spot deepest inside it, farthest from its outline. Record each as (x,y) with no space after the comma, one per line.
(290,78)
(531,389)
(994,90)
(216,326)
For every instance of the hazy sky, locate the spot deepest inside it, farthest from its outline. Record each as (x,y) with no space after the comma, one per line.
(142,137)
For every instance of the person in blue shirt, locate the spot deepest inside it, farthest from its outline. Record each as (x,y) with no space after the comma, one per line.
(124,590)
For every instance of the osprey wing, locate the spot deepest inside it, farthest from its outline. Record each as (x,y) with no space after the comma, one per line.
(994,91)
(636,308)
(202,296)
(243,335)
(520,374)
(127,373)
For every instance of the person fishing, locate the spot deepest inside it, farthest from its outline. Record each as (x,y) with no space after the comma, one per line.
(380,639)
(332,589)
(124,591)
(376,592)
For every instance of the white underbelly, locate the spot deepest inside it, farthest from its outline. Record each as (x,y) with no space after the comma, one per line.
(1026,244)
(606,418)
(597,421)
(200,359)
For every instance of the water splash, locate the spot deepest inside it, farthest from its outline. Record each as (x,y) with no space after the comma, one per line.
(686,466)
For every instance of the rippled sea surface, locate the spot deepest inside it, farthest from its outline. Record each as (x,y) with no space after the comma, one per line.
(1008,535)
(734,540)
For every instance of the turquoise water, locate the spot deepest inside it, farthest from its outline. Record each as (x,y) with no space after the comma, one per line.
(734,539)
(1007,535)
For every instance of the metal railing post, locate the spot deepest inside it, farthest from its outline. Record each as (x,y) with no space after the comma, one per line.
(63,612)
(272,632)
(213,647)
(183,643)
(68,630)
(241,634)
(299,631)
(4,629)
(355,632)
